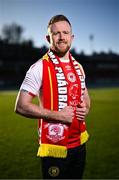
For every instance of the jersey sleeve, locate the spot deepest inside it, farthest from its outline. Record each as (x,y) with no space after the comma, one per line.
(33,79)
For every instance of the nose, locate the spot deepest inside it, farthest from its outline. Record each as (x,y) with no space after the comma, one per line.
(61,35)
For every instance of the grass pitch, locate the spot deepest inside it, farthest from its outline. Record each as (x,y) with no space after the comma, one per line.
(19,139)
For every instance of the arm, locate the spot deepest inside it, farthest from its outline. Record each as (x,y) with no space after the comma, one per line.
(87,101)
(25,107)
(83,109)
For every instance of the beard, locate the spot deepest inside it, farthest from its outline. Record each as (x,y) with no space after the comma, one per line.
(60,50)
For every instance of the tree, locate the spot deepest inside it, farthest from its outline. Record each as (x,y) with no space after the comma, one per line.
(12,33)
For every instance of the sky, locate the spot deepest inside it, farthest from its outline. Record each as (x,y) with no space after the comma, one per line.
(99,18)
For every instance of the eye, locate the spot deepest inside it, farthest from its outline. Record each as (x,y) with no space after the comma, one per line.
(55,33)
(66,32)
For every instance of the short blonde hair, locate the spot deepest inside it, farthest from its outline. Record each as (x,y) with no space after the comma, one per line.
(58,18)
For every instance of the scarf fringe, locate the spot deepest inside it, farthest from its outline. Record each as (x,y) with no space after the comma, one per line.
(84,137)
(50,150)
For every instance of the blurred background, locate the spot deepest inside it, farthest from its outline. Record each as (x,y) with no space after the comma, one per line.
(23,27)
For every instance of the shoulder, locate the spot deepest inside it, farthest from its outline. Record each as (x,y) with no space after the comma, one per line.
(35,71)
(33,79)
(81,67)
(37,66)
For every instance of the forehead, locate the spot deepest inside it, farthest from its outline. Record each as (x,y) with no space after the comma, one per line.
(60,26)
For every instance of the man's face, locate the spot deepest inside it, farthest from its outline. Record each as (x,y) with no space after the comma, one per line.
(60,37)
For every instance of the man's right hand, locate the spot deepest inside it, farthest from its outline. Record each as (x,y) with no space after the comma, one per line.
(67,114)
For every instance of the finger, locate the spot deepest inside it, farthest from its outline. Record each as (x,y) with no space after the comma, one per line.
(80,113)
(80,116)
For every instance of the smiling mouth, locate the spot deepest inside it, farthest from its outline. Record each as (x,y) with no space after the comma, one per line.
(62,43)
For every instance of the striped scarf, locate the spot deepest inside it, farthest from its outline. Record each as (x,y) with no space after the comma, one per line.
(54,135)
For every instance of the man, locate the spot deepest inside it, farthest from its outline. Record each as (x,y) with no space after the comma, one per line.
(59,82)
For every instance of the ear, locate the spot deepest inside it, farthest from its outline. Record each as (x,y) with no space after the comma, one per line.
(72,36)
(48,38)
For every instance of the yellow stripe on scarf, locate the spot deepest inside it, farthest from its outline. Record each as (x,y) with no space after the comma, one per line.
(45,57)
(51,88)
(51,150)
(84,137)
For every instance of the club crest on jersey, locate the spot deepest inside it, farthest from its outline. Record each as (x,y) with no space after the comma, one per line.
(71,77)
